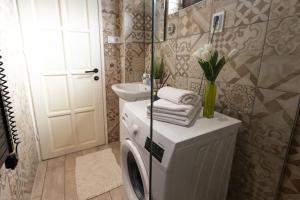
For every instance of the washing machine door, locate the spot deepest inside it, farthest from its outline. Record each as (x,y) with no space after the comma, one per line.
(135,176)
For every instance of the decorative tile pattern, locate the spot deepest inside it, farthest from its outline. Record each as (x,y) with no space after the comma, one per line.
(236,97)
(283,37)
(113,119)
(186,65)
(249,40)
(112,58)
(280,73)
(255,174)
(282,9)
(181,82)
(111,25)
(252,11)
(272,120)
(243,70)
(291,183)
(112,50)
(135,56)
(167,51)
(134,27)
(172,23)
(195,19)
(110,6)
(112,77)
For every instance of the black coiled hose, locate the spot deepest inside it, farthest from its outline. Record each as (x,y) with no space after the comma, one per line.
(12,160)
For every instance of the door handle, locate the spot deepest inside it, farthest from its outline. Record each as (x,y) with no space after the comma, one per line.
(92,71)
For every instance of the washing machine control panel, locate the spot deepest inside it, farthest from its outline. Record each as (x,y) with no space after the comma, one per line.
(157,151)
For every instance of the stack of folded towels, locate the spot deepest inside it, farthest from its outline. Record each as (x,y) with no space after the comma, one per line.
(176,106)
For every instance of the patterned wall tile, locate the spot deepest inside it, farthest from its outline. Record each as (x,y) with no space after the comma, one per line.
(235,97)
(148,56)
(135,56)
(110,6)
(186,65)
(272,120)
(134,27)
(168,53)
(113,119)
(172,23)
(282,9)
(229,6)
(111,25)
(111,50)
(134,76)
(135,5)
(255,174)
(112,77)
(252,11)
(280,73)
(242,70)
(249,40)
(291,182)
(194,85)
(112,58)
(195,19)
(181,82)
(283,37)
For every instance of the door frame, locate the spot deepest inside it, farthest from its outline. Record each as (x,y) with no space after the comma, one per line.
(102,75)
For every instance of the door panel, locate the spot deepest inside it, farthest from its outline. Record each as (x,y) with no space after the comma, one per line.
(86,129)
(51,50)
(47,13)
(61,132)
(79,50)
(57,97)
(77,17)
(63,39)
(85,89)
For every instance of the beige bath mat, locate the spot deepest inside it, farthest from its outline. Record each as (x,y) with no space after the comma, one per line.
(97,173)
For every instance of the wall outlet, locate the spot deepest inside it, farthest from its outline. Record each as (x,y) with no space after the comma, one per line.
(220,24)
(113,39)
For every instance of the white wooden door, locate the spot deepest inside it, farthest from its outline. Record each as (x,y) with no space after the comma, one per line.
(62,42)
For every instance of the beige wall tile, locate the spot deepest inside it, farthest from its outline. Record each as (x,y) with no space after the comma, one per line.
(282,9)
(280,73)
(252,11)
(255,174)
(283,37)
(249,40)
(272,120)
(195,19)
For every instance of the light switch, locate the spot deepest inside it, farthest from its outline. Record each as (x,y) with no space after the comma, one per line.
(113,39)
(219,17)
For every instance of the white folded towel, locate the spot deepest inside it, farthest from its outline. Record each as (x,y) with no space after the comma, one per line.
(175,119)
(178,96)
(168,107)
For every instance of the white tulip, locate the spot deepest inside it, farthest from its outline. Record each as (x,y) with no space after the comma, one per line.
(233,53)
(208,47)
(206,55)
(197,54)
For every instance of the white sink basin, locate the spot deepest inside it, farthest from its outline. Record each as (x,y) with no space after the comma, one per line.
(132,91)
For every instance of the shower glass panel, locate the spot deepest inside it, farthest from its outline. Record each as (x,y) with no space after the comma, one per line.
(260,151)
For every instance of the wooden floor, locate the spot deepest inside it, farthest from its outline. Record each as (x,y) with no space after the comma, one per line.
(55,178)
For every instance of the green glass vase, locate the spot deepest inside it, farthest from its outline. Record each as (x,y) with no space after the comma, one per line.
(209,99)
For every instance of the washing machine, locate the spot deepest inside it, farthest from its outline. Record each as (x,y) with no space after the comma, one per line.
(189,163)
